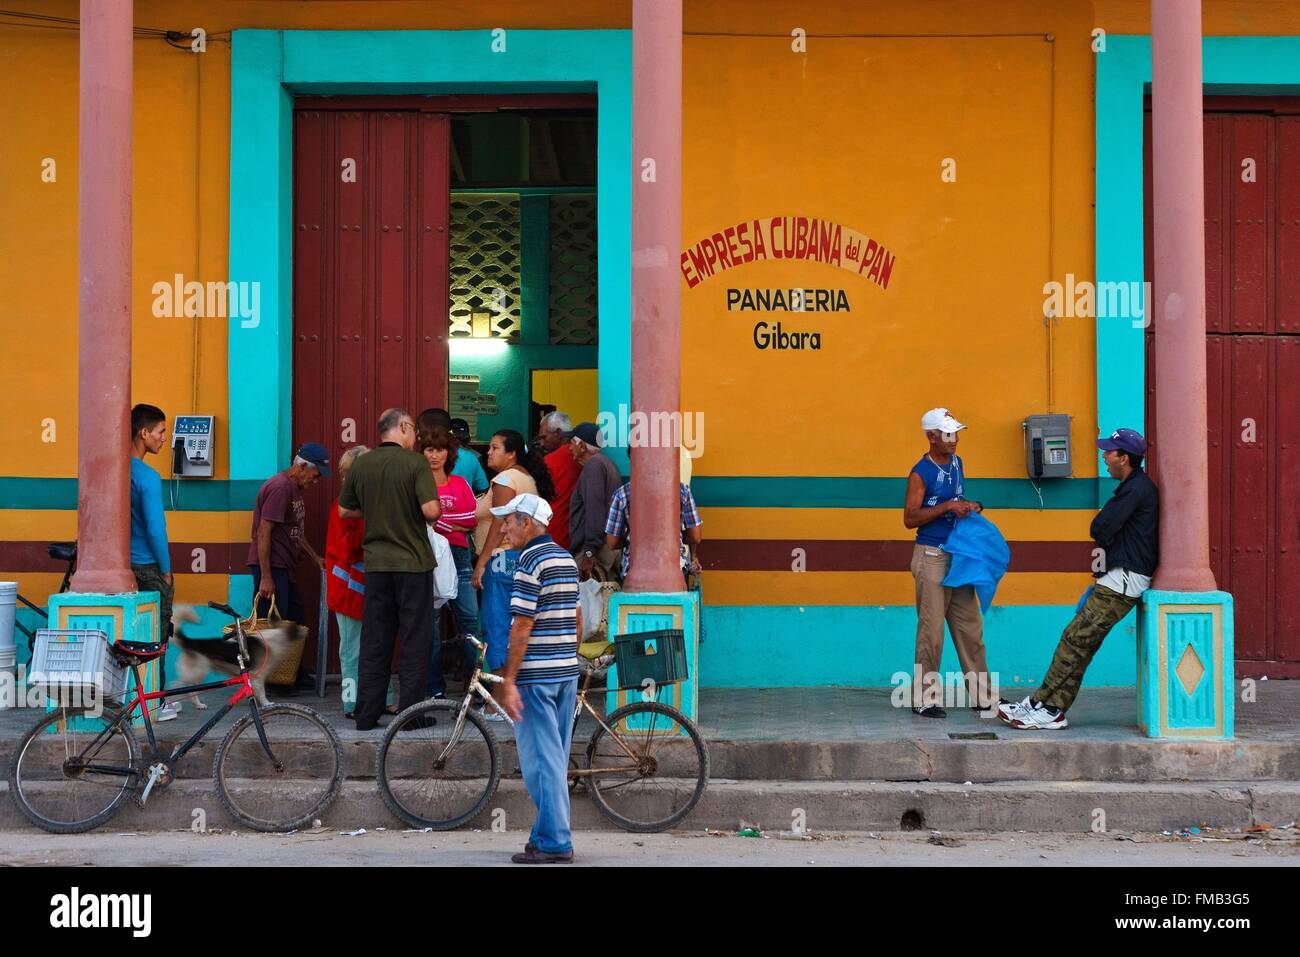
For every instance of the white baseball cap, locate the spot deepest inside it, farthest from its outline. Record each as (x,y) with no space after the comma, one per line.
(940,420)
(526,504)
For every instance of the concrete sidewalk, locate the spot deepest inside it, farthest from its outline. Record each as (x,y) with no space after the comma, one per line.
(855,734)
(846,759)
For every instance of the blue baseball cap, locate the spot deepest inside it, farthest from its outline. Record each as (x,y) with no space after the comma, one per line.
(589,432)
(1124,440)
(315,454)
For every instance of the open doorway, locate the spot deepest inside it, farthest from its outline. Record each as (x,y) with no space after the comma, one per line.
(444,255)
(522,264)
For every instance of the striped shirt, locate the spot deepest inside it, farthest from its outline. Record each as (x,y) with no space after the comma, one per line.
(617,523)
(546,590)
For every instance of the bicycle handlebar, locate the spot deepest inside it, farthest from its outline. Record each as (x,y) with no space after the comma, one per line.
(224,609)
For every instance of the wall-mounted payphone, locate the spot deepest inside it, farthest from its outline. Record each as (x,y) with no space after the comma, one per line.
(192,446)
(1047,446)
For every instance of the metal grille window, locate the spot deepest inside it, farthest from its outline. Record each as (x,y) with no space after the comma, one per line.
(485,265)
(573,269)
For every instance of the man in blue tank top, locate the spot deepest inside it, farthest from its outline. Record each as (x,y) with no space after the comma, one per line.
(935,503)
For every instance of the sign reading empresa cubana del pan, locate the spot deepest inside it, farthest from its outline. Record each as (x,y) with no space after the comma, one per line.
(798,238)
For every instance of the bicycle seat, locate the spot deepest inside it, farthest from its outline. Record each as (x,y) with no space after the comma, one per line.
(140,651)
(62,551)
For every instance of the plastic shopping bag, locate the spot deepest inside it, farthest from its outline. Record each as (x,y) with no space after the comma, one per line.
(592,602)
(445,580)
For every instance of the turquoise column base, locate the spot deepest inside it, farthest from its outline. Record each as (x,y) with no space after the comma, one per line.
(656,611)
(1185,684)
(130,616)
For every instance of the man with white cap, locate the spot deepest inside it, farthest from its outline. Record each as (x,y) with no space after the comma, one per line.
(935,502)
(540,679)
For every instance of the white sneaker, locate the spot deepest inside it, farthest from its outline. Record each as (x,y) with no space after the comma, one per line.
(169,711)
(1012,708)
(1040,718)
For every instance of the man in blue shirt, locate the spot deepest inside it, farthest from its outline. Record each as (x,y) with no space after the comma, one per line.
(936,500)
(150,560)
(540,679)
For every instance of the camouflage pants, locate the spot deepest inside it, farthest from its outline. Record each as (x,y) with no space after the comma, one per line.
(1103,610)
(149,578)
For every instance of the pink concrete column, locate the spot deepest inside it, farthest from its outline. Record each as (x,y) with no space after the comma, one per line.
(104,301)
(1178,186)
(656,287)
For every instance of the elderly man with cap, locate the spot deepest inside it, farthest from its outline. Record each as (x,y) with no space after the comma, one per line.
(1128,531)
(589,504)
(935,502)
(279,541)
(540,679)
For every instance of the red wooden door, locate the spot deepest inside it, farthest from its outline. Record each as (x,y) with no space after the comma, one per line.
(1252,248)
(370,262)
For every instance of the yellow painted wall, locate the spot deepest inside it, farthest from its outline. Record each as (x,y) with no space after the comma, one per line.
(854,129)
(572,391)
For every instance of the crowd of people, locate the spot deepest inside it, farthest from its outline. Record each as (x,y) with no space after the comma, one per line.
(545,515)
(553,513)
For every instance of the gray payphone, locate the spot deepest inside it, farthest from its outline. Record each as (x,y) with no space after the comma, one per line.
(1047,446)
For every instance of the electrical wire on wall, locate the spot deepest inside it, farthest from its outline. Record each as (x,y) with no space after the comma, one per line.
(180,39)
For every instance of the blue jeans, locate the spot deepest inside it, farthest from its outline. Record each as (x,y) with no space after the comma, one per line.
(465,607)
(498,583)
(543,738)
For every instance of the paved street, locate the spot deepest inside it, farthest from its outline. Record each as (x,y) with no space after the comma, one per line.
(329,848)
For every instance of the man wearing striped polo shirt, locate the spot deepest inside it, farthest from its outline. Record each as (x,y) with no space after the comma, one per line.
(540,681)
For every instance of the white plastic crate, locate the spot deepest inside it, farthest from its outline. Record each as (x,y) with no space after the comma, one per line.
(73,661)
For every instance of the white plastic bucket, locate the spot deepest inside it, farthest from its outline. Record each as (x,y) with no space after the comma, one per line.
(8,651)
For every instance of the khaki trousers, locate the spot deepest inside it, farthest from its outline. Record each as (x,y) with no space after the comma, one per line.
(960,608)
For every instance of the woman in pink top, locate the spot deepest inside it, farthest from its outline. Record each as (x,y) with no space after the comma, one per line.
(457,498)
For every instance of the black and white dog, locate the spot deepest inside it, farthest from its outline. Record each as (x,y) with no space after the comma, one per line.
(201,656)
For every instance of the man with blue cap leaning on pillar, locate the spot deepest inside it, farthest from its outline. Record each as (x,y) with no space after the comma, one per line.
(1127,530)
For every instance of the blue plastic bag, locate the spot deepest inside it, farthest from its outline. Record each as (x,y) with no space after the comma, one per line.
(980,556)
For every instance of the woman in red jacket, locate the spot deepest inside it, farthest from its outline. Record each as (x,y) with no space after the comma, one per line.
(346,584)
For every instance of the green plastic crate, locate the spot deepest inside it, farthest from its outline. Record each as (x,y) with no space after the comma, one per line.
(657,656)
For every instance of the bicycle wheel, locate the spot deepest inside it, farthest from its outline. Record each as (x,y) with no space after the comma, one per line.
(73,769)
(295,788)
(422,782)
(652,771)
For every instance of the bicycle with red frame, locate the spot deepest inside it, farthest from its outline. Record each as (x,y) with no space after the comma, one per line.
(277,769)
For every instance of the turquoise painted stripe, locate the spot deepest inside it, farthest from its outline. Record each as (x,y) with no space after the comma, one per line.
(776,646)
(718,491)
(208,495)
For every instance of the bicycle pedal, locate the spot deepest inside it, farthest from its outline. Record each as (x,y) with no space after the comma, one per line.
(157,774)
